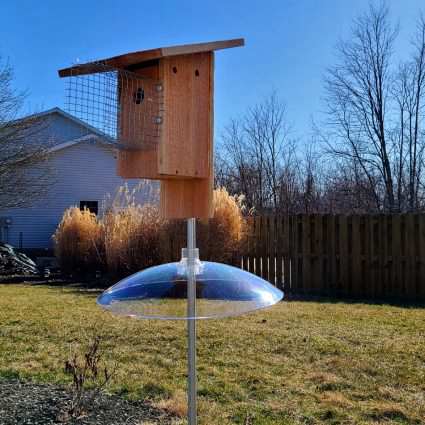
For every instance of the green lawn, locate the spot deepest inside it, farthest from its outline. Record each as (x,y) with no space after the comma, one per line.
(296,363)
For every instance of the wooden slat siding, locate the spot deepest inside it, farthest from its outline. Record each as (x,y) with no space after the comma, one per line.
(246,246)
(252,246)
(313,226)
(363,261)
(403,257)
(311,229)
(275,250)
(293,244)
(327,262)
(387,275)
(279,249)
(323,253)
(421,294)
(254,243)
(418,257)
(244,249)
(343,255)
(389,263)
(392,266)
(409,255)
(271,277)
(375,256)
(385,283)
(337,289)
(272,250)
(294,254)
(306,254)
(256,265)
(356,257)
(297,256)
(332,280)
(287,246)
(316,241)
(258,244)
(368,257)
(396,255)
(385,249)
(349,260)
(370,250)
(377,246)
(168,242)
(265,235)
(314,263)
(381,258)
(181,241)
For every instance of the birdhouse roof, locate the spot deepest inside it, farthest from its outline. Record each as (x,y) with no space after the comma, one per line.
(133,59)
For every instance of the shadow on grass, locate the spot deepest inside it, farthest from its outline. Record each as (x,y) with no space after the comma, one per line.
(390,301)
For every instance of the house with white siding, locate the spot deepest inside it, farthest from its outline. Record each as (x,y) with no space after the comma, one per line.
(83,166)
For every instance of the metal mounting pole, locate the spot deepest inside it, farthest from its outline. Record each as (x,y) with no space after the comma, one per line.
(191,322)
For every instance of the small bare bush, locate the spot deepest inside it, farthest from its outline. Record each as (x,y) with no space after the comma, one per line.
(90,374)
(78,241)
(132,238)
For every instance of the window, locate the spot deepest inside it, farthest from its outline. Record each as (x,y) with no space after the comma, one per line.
(92,206)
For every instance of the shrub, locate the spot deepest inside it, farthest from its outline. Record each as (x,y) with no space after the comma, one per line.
(90,373)
(78,241)
(132,238)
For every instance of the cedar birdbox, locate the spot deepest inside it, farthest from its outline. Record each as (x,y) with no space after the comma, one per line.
(162,102)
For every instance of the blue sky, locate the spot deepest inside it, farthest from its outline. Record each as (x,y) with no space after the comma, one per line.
(289,44)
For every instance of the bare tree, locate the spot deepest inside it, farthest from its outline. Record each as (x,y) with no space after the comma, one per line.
(357,91)
(253,152)
(409,143)
(376,115)
(289,179)
(258,158)
(310,181)
(21,149)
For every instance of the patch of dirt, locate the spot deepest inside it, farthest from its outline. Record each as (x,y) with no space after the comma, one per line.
(26,403)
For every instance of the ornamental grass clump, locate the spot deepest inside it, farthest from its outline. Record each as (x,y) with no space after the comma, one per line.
(220,239)
(79,241)
(132,238)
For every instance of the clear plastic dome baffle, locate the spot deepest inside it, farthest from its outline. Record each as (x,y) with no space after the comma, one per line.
(161,292)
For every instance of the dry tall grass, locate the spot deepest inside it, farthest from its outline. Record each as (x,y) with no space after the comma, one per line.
(79,241)
(221,237)
(131,237)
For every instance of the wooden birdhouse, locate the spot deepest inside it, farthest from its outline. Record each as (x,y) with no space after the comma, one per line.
(158,106)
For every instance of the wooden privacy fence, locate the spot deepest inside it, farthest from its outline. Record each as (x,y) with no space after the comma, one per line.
(357,256)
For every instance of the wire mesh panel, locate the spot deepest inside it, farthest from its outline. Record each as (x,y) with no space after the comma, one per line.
(126,107)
